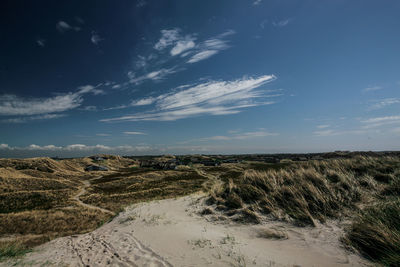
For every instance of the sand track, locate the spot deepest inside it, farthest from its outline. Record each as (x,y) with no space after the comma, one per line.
(171,233)
(82,190)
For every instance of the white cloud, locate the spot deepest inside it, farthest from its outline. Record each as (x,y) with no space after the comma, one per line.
(212,98)
(168,38)
(12,105)
(41,42)
(135,133)
(90,89)
(89,108)
(202,55)
(239,136)
(185,45)
(174,38)
(380,121)
(33,118)
(385,102)
(257,2)
(96,39)
(80,148)
(323,126)
(48,147)
(4,146)
(182,46)
(62,26)
(154,76)
(372,88)
(144,101)
(338,132)
(211,47)
(281,23)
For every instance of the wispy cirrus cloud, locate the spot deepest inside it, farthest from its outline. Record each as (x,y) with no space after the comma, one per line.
(382,103)
(177,44)
(135,133)
(43,108)
(144,101)
(168,38)
(211,47)
(95,38)
(63,26)
(154,75)
(372,88)
(381,121)
(239,136)
(173,38)
(103,134)
(41,42)
(333,132)
(281,23)
(202,55)
(212,98)
(33,118)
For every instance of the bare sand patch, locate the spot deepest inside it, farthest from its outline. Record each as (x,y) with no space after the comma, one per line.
(172,233)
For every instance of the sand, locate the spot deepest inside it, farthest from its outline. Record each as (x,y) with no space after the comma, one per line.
(172,233)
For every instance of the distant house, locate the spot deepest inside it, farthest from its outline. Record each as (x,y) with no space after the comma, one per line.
(164,165)
(95,168)
(97,158)
(210,163)
(230,161)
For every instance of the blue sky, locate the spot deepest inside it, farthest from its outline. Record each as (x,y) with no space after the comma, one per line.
(156,77)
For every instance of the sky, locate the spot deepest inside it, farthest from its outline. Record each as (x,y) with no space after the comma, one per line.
(187,77)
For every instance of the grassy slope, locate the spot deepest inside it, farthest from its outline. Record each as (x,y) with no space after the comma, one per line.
(36,203)
(305,192)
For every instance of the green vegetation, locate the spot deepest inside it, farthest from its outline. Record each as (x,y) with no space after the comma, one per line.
(12,250)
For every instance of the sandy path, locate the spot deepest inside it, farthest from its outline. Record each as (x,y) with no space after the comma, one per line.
(82,191)
(171,233)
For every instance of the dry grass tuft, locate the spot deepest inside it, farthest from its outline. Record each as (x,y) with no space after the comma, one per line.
(316,190)
(376,233)
(271,234)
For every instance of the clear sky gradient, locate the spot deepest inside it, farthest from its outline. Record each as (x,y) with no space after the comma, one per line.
(155,77)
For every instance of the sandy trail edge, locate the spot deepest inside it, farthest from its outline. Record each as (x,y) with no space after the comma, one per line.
(82,191)
(171,233)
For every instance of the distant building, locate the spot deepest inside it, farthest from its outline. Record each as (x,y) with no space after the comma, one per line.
(95,168)
(210,163)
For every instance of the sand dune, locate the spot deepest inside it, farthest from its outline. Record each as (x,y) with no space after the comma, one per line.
(171,233)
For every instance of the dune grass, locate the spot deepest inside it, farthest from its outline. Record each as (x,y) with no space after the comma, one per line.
(115,192)
(37,197)
(12,250)
(365,189)
(36,203)
(376,233)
